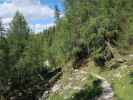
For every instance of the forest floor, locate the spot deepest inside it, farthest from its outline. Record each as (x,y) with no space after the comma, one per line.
(120,79)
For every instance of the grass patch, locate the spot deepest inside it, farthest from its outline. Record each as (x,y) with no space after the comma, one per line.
(90,92)
(123,87)
(121,79)
(56,97)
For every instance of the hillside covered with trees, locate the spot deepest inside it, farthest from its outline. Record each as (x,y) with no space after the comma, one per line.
(94,38)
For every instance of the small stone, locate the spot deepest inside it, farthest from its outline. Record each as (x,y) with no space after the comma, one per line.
(77,88)
(120,60)
(12,98)
(20,94)
(76,70)
(70,79)
(83,79)
(83,72)
(56,88)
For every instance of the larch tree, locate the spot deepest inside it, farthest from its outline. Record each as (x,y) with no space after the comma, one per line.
(17,37)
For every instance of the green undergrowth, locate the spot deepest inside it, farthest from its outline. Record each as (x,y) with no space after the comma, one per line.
(123,87)
(90,91)
(121,79)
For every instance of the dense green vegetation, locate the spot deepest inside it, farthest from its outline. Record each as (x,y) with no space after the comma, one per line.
(88,29)
(88,26)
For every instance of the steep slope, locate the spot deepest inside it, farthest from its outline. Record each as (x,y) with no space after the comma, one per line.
(116,83)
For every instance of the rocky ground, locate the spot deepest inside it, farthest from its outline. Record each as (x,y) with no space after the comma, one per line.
(75,80)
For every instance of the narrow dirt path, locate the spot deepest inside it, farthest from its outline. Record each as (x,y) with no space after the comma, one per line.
(108,93)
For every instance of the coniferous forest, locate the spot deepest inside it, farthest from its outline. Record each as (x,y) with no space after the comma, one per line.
(86,55)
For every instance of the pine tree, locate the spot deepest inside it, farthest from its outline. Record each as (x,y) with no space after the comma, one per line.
(57,14)
(31,60)
(3,54)
(19,26)
(2,31)
(18,35)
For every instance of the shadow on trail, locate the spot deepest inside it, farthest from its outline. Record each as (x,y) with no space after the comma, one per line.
(90,93)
